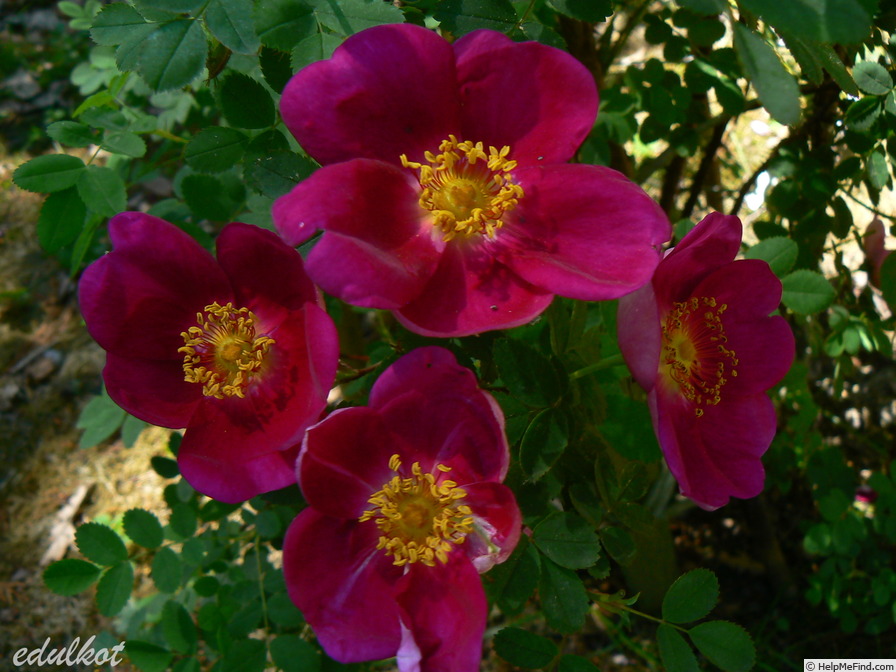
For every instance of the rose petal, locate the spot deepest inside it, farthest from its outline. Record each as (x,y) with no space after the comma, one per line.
(138,299)
(230,481)
(498,524)
(763,345)
(559,93)
(336,478)
(444,611)
(437,408)
(228,449)
(386,91)
(267,275)
(151,390)
(583,232)
(471,292)
(343,586)
(714,242)
(640,335)
(376,251)
(711,456)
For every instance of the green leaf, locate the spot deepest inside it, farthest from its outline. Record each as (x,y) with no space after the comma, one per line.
(777,88)
(49,173)
(725,644)
(276,173)
(283,612)
(172,6)
(165,466)
(276,68)
(210,198)
(124,143)
(99,543)
(215,149)
(872,78)
(347,17)
(573,663)
(313,48)
(544,442)
(61,220)
(148,657)
(116,23)
(71,133)
(806,292)
(878,169)
(618,543)
(131,429)
(563,597)
(178,627)
(245,655)
(103,190)
(130,51)
(584,10)
(71,576)
(691,597)
(675,652)
(527,373)
(85,238)
(232,22)
(525,649)
(233,93)
(280,24)
(173,55)
(182,520)
(704,7)
(831,62)
(512,582)
(861,114)
(114,588)
(460,17)
(143,528)
(291,653)
(779,252)
(842,21)
(567,539)
(888,280)
(166,570)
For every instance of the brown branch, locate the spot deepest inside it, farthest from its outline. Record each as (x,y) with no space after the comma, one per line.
(709,156)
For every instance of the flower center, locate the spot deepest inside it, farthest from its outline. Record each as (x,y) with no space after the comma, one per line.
(694,353)
(418,515)
(222,352)
(467,190)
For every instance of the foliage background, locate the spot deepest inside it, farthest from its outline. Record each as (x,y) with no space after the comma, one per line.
(782,113)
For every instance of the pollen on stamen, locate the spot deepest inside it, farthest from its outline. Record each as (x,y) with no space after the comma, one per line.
(419,517)
(467,190)
(695,356)
(222,352)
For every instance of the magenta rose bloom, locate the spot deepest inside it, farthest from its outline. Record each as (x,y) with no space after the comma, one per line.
(406,509)
(445,196)
(235,350)
(700,340)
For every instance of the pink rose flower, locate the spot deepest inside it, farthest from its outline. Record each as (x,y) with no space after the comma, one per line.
(406,509)
(235,350)
(700,340)
(445,196)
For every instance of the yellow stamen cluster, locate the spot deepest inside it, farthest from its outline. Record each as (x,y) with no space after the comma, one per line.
(419,517)
(695,355)
(467,190)
(222,352)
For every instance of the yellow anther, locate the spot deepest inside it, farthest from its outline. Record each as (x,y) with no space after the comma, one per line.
(694,355)
(223,353)
(418,516)
(467,190)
